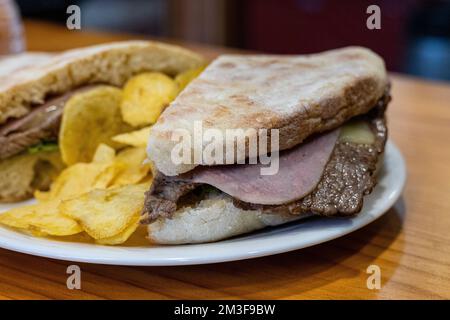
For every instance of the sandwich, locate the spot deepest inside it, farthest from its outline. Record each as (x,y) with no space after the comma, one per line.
(253,141)
(327,112)
(34,88)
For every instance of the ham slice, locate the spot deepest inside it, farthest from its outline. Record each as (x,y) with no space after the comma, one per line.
(300,170)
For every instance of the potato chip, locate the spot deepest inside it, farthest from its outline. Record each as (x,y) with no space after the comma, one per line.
(147,180)
(106,213)
(41,219)
(132,156)
(136,138)
(135,168)
(184,78)
(82,237)
(106,178)
(104,154)
(17,217)
(81,178)
(145,96)
(123,236)
(89,119)
(42,196)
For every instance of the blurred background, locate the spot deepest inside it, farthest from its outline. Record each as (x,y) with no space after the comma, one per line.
(414,37)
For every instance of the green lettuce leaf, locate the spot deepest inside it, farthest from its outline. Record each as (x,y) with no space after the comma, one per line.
(44,146)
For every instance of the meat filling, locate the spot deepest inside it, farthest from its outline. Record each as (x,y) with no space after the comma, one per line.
(41,124)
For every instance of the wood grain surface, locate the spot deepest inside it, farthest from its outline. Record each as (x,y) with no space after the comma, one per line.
(411,243)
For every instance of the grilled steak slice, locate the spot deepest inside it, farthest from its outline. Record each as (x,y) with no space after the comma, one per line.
(40,124)
(162,198)
(348,176)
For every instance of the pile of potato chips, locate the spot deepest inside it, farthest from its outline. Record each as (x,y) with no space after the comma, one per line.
(102,142)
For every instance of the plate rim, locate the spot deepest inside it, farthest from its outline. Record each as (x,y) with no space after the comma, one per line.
(64,253)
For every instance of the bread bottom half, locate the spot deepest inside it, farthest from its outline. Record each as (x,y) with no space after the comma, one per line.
(213,219)
(22,174)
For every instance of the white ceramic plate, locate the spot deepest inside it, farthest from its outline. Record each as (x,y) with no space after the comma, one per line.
(270,241)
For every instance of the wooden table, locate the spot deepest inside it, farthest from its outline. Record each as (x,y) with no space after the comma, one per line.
(411,243)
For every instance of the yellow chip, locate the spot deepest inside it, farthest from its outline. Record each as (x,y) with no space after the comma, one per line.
(106,213)
(42,219)
(145,96)
(84,177)
(135,168)
(123,236)
(107,177)
(147,180)
(136,138)
(184,78)
(132,156)
(81,178)
(42,196)
(89,119)
(104,154)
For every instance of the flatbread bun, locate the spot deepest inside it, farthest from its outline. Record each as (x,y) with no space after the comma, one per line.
(22,174)
(12,63)
(299,95)
(213,219)
(112,63)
